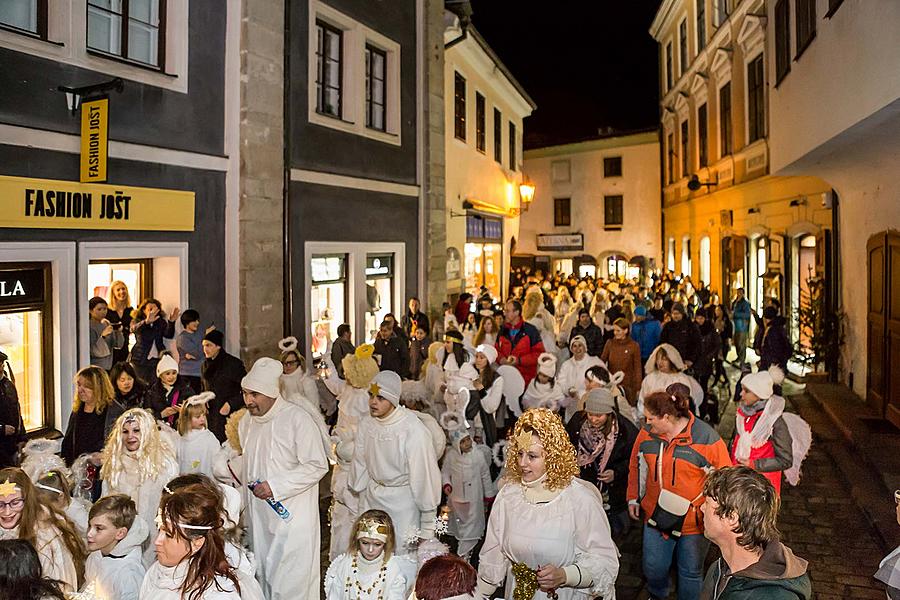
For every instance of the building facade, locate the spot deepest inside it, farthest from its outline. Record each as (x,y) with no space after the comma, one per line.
(596,207)
(150,203)
(741,226)
(835,115)
(484,109)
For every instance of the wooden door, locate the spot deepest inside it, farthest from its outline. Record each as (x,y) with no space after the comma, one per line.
(883,386)
(892,334)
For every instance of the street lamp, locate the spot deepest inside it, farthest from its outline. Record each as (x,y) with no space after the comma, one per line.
(526,193)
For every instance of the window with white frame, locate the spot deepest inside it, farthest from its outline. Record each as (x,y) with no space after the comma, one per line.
(128,29)
(24,15)
(670,255)
(328,69)
(376,64)
(705,259)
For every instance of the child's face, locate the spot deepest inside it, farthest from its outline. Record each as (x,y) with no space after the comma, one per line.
(420,334)
(169,377)
(198,421)
(370,548)
(192,326)
(542,378)
(465,445)
(103,535)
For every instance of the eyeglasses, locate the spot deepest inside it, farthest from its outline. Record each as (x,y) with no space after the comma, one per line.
(14,505)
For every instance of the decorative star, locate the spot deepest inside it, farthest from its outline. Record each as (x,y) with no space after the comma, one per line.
(523,440)
(8,488)
(374,389)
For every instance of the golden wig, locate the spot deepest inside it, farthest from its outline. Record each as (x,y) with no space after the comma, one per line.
(534,301)
(432,359)
(231,430)
(559,454)
(360,368)
(151,456)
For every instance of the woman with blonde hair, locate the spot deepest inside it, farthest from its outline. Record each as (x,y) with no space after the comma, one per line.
(89,420)
(548,532)
(23,516)
(119,316)
(139,460)
(487,332)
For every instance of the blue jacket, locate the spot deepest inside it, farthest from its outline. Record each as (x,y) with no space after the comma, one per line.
(646,333)
(741,316)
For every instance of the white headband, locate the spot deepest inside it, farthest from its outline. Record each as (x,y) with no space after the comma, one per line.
(48,488)
(159,523)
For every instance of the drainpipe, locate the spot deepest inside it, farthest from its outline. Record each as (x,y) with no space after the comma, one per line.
(287,279)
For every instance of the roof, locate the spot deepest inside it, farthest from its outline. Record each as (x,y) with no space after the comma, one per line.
(615,140)
(473,33)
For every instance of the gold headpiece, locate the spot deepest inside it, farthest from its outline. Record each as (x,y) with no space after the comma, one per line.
(372,529)
(8,488)
(364,351)
(523,440)
(374,389)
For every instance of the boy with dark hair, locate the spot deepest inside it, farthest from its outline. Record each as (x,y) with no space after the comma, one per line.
(189,344)
(116,532)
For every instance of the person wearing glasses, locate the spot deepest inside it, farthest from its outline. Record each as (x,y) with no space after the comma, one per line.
(889,568)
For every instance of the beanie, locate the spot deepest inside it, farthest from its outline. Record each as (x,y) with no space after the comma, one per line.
(679,307)
(547,364)
(264,377)
(490,353)
(762,383)
(579,339)
(166,363)
(215,337)
(640,310)
(599,401)
(388,385)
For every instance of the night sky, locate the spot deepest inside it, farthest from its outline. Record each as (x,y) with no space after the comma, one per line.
(588,64)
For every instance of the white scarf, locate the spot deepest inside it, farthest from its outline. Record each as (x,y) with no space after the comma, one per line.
(762,430)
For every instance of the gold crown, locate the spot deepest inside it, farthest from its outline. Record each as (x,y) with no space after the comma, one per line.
(523,439)
(364,351)
(8,488)
(372,529)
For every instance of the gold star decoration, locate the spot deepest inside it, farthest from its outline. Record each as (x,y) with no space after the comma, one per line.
(8,488)
(374,389)
(523,440)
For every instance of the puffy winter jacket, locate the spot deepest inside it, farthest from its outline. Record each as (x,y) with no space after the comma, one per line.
(522,340)
(646,333)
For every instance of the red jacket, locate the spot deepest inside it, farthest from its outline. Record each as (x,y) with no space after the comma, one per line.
(522,340)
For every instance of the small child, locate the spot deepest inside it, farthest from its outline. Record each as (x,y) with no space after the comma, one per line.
(53,488)
(369,569)
(189,344)
(116,533)
(418,353)
(543,391)
(467,484)
(168,392)
(197,445)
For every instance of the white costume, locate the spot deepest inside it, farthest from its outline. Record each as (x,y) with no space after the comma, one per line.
(657,381)
(396,580)
(394,468)
(196,450)
(353,404)
(164,583)
(469,477)
(283,447)
(570,529)
(571,376)
(118,575)
(56,561)
(543,395)
(300,389)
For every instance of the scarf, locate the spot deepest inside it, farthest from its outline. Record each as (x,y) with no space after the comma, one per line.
(762,430)
(593,445)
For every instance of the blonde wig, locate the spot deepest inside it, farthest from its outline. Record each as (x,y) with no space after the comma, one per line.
(534,301)
(360,368)
(151,456)
(559,454)
(231,430)
(432,359)
(100,385)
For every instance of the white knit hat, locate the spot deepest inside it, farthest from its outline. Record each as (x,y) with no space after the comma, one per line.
(388,385)
(489,352)
(166,363)
(547,364)
(762,383)
(264,377)
(580,339)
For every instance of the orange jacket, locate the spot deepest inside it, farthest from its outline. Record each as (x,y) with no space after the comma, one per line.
(682,468)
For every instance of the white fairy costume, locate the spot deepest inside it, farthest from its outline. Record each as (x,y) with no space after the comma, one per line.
(352,576)
(543,395)
(119,574)
(469,476)
(196,450)
(657,381)
(571,377)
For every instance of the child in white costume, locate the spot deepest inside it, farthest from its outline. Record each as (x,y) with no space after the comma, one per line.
(299,388)
(197,445)
(138,461)
(571,374)
(114,568)
(467,483)
(544,390)
(665,367)
(52,478)
(369,569)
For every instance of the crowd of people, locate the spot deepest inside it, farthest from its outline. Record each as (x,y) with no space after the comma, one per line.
(501,449)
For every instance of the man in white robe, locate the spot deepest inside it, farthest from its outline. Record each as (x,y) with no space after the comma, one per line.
(283,452)
(394,467)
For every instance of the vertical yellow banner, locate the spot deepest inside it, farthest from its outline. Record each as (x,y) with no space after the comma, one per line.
(94,140)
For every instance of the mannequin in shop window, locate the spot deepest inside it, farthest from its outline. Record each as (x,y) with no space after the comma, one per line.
(119,315)
(150,327)
(12,429)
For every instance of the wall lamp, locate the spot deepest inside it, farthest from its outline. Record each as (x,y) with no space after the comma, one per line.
(74,95)
(753,211)
(695,184)
(798,201)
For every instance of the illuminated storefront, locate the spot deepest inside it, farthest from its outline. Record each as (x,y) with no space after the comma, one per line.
(484,255)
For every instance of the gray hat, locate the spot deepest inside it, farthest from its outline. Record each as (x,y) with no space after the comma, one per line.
(599,401)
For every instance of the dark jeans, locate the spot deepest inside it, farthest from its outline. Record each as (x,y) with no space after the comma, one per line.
(689,552)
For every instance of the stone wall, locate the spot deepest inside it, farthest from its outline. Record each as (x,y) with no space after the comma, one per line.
(261,178)
(434,177)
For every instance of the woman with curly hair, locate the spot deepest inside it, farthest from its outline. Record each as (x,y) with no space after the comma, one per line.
(88,421)
(139,460)
(22,516)
(547,531)
(190,549)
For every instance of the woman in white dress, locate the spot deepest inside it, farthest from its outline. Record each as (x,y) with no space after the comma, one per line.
(544,390)
(369,569)
(548,532)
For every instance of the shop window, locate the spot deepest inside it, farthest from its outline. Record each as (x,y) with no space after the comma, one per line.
(129,29)
(587,271)
(758,265)
(137,275)
(616,267)
(379,291)
(26,338)
(328,300)
(484,255)
(705,259)
(563,265)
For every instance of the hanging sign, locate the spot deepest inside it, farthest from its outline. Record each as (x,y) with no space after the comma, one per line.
(568,241)
(52,204)
(94,140)
(21,286)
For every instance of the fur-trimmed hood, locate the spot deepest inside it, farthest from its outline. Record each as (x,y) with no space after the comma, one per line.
(671,352)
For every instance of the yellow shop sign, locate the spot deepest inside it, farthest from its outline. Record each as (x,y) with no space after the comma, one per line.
(52,204)
(94,140)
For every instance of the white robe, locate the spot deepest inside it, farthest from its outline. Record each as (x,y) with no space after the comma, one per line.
(394,469)
(571,375)
(300,389)
(657,381)
(572,528)
(543,395)
(283,448)
(163,583)
(56,561)
(353,404)
(399,578)
(196,450)
(469,477)
(118,575)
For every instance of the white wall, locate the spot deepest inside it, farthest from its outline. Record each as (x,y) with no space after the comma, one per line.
(639,186)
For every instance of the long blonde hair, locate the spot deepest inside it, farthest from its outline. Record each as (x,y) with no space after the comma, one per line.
(111,295)
(100,385)
(479,336)
(154,452)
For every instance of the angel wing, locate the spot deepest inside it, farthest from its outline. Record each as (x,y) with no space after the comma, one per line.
(513,387)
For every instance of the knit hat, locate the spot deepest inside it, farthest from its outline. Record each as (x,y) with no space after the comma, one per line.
(264,377)
(490,353)
(762,383)
(547,364)
(388,385)
(166,363)
(580,339)
(640,310)
(216,337)
(599,401)
(679,307)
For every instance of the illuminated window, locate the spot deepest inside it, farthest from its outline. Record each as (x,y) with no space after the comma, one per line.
(379,291)
(328,300)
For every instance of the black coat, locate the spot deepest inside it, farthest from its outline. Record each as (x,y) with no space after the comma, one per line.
(10,414)
(85,434)
(684,336)
(420,319)
(773,345)
(710,346)
(594,337)
(157,398)
(618,460)
(121,354)
(222,376)
(394,355)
